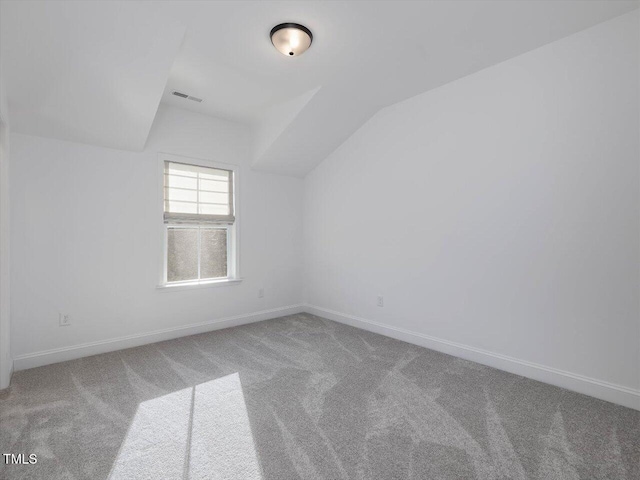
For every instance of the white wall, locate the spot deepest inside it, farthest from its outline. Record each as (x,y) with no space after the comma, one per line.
(86,232)
(6,362)
(499,212)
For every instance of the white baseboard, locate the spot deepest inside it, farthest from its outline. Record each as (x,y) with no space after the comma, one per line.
(618,394)
(6,380)
(56,355)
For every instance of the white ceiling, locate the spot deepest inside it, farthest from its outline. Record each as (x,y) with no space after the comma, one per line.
(90,72)
(94,72)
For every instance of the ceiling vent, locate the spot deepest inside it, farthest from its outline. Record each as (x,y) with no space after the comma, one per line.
(184,95)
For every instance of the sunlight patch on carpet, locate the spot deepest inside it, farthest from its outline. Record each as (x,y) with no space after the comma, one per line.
(195,433)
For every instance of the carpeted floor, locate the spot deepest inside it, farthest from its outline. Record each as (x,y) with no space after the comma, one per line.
(304,397)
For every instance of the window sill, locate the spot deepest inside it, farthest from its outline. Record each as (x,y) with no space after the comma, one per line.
(173,287)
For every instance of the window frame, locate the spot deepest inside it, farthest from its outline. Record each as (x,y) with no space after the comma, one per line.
(233,231)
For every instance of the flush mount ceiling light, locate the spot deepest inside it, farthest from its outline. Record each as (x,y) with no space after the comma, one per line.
(291,39)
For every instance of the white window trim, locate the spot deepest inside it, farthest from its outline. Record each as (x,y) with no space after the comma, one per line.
(233,231)
(218,282)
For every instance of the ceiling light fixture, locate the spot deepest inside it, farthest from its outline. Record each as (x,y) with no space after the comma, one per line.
(291,39)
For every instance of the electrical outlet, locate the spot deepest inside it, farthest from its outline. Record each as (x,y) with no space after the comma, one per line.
(261,293)
(380,301)
(65,319)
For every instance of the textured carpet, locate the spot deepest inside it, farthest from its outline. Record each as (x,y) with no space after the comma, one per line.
(304,397)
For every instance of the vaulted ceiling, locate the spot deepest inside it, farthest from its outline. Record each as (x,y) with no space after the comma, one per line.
(95,72)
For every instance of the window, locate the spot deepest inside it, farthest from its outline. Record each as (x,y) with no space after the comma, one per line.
(199,223)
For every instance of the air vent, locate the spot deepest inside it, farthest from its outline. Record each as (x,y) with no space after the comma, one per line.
(184,95)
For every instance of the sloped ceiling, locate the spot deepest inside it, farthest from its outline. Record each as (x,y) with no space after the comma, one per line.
(95,72)
(90,72)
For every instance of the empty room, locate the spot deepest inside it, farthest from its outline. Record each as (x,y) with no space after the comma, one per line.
(279,240)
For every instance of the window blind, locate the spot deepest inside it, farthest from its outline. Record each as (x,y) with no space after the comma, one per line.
(194,194)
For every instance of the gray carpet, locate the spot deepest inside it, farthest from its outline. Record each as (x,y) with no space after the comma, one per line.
(304,397)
